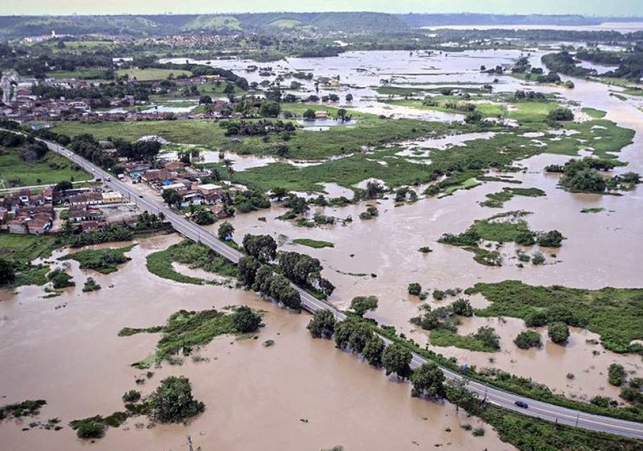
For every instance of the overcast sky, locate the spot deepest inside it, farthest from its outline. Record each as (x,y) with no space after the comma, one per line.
(64,7)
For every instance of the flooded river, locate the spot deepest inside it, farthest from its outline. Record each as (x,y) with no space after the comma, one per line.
(256,396)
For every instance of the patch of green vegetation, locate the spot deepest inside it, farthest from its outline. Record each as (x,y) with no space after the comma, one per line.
(395,91)
(50,169)
(316,244)
(594,113)
(91,285)
(151,74)
(592,210)
(60,279)
(27,408)
(491,178)
(305,144)
(185,330)
(193,254)
(444,337)
(31,275)
(616,314)
(104,261)
(469,183)
(81,74)
(502,228)
(604,137)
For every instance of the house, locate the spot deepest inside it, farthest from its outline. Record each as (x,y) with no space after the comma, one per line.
(220,212)
(16,227)
(156,175)
(178,187)
(92,226)
(192,199)
(85,214)
(112,197)
(175,166)
(90,198)
(321,114)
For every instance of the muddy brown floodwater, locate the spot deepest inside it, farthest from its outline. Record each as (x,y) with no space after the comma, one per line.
(256,396)
(601,250)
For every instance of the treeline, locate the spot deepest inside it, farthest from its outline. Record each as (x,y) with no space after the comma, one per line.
(256,128)
(630,64)
(583,176)
(116,232)
(100,96)
(257,273)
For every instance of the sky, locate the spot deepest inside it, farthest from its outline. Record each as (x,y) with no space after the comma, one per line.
(65,7)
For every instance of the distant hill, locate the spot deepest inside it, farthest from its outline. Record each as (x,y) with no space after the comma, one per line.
(348,22)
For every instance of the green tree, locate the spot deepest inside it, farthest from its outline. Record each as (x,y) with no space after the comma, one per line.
(322,325)
(457,393)
(225,230)
(248,267)
(245,320)
(262,247)
(397,359)
(7,272)
(341,114)
(415,289)
(63,186)
(528,339)
(362,304)
(616,374)
(172,401)
(373,351)
(172,197)
(279,193)
(269,108)
(552,238)
(558,332)
(462,307)
(536,319)
(561,114)
(309,114)
(428,380)
(349,97)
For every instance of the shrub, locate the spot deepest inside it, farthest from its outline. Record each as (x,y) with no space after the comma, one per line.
(462,307)
(616,374)
(528,339)
(558,332)
(415,289)
(245,320)
(132,396)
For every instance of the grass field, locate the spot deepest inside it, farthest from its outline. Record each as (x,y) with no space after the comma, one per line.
(594,113)
(305,144)
(85,74)
(50,169)
(25,248)
(152,74)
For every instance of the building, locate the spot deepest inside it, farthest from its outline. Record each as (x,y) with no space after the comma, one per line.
(112,197)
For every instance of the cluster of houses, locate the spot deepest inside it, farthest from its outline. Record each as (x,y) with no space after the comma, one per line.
(27,212)
(20,104)
(183,179)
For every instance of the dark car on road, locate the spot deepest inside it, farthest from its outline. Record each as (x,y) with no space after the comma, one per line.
(522,404)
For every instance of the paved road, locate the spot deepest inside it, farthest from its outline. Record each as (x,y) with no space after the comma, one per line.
(493,395)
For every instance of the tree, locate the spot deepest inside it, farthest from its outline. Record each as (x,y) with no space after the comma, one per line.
(7,272)
(462,307)
(172,401)
(203,216)
(536,319)
(362,304)
(428,380)
(396,359)
(279,193)
(373,189)
(225,230)
(245,320)
(269,108)
(248,267)
(205,100)
(341,114)
(322,325)
(561,114)
(349,97)
(172,197)
(63,186)
(262,247)
(528,339)
(558,332)
(415,289)
(552,238)
(373,351)
(309,114)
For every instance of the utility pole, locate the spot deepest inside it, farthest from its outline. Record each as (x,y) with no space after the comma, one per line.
(190,444)
(577,418)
